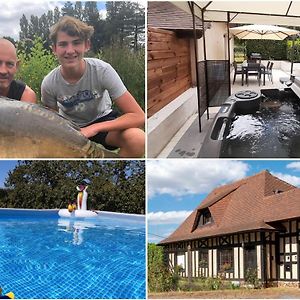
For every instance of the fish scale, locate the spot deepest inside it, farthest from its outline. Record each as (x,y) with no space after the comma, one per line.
(31,131)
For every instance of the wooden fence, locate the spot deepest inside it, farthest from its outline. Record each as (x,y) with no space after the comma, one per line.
(169,68)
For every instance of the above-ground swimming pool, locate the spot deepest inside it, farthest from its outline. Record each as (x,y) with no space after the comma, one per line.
(44,256)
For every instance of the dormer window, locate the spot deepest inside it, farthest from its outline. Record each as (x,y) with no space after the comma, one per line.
(204,217)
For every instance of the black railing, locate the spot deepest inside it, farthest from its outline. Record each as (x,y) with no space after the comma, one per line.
(217,83)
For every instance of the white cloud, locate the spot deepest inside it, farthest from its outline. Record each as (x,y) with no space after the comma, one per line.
(12,11)
(294,180)
(294,165)
(103,13)
(170,217)
(182,177)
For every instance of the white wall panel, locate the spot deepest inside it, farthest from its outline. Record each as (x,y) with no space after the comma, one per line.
(215,262)
(258,252)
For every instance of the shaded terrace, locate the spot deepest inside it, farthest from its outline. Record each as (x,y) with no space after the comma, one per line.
(186,142)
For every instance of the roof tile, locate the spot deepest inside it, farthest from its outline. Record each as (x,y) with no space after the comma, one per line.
(164,14)
(252,203)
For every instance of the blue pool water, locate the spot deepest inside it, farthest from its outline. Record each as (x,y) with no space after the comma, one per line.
(44,256)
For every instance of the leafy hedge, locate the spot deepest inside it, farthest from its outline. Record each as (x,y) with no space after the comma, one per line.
(160,279)
(275,50)
(130,66)
(293,55)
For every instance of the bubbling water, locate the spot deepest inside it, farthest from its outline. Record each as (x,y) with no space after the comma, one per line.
(273,131)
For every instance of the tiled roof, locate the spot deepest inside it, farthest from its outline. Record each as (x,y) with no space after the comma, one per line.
(252,203)
(166,15)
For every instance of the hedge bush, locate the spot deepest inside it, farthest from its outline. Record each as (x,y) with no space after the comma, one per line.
(35,65)
(295,56)
(130,66)
(160,279)
(270,50)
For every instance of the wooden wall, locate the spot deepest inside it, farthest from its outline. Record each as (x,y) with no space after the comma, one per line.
(169,68)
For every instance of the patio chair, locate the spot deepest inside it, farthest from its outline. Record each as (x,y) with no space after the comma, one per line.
(237,70)
(269,72)
(253,69)
(255,58)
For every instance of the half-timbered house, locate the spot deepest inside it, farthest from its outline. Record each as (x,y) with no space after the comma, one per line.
(252,223)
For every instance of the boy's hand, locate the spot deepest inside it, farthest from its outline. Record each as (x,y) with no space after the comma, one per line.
(89,131)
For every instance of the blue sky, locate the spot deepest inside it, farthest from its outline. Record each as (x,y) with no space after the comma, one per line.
(5,166)
(176,187)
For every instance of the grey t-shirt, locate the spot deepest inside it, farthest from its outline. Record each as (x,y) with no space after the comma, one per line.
(87,99)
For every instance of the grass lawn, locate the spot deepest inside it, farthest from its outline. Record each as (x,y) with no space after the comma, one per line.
(269,293)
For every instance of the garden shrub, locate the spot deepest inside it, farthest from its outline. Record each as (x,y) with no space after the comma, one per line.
(160,278)
(239,53)
(35,65)
(206,284)
(251,278)
(130,66)
(293,55)
(213,283)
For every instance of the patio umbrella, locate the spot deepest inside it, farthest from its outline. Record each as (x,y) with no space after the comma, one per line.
(262,32)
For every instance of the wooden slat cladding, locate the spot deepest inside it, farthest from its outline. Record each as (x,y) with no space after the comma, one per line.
(169,68)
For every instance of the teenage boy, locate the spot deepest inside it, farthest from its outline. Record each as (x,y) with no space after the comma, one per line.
(9,64)
(82,90)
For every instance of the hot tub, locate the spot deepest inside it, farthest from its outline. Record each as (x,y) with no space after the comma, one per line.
(251,124)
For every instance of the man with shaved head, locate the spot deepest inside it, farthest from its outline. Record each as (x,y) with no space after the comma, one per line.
(9,87)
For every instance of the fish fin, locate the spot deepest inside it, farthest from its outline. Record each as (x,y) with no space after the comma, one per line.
(94,150)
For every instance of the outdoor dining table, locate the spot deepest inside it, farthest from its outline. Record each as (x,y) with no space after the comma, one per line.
(262,70)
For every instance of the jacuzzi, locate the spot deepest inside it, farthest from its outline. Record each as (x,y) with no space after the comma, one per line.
(250,124)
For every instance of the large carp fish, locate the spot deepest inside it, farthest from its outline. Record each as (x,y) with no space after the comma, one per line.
(32,131)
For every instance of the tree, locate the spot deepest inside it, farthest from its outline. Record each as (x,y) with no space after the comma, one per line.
(78,10)
(68,9)
(3,194)
(123,27)
(36,63)
(24,25)
(126,23)
(52,184)
(56,15)
(92,18)
(138,22)
(33,27)
(44,25)
(113,21)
